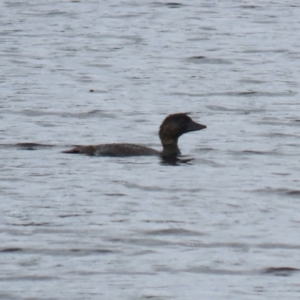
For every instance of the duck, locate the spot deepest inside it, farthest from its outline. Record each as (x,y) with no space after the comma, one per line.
(173,126)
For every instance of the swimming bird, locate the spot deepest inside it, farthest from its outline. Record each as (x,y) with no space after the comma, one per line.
(170,130)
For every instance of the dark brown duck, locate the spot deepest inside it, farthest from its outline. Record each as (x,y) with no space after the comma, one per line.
(170,130)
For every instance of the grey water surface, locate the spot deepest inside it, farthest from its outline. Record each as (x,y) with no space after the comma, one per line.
(223,226)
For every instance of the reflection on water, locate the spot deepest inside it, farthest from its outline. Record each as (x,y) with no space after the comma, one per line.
(223,222)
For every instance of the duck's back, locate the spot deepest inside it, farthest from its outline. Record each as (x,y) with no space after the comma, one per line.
(115,150)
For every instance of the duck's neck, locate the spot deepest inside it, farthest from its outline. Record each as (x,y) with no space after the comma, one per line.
(170,148)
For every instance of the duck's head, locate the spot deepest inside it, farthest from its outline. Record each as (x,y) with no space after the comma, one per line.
(176,125)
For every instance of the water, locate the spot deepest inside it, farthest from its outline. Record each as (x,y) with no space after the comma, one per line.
(224,226)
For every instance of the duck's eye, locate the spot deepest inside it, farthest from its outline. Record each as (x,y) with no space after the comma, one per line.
(183,122)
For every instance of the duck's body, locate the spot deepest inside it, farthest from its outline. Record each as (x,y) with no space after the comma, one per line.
(115,150)
(170,130)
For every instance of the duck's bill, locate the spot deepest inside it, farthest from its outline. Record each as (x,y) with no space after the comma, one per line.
(193,126)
